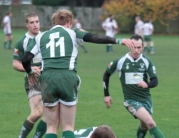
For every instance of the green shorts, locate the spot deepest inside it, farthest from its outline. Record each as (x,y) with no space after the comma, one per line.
(147,38)
(36,90)
(59,86)
(132,106)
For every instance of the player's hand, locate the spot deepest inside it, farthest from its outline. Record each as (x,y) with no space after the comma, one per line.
(36,68)
(128,42)
(108,101)
(142,84)
(32,78)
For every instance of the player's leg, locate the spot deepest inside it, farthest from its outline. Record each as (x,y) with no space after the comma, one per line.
(36,112)
(9,41)
(52,116)
(69,92)
(145,48)
(109,48)
(151,47)
(84,48)
(143,115)
(142,130)
(67,119)
(41,128)
(5,41)
(145,51)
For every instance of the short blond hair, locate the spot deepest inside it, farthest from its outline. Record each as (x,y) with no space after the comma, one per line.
(61,17)
(32,14)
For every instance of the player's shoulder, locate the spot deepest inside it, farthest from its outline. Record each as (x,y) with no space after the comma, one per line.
(145,57)
(21,39)
(120,58)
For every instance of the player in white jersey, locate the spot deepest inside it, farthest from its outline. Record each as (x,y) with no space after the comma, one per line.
(7,30)
(102,131)
(78,25)
(34,94)
(148,31)
(138,26)
(111,28)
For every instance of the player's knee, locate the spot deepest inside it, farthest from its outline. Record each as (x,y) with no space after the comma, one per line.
(151,124)
(35,116)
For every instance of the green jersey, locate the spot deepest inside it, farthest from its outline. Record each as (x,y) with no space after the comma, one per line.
(58,47)
(84,133)
(131,72)
(21,47)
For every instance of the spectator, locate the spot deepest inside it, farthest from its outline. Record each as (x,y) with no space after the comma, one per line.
(148,31)
(7,30)
(111,28)
(138,26)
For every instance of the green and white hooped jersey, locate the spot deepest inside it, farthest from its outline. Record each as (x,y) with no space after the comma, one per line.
(58,47)
(84,133)
(20,48)
(131,72)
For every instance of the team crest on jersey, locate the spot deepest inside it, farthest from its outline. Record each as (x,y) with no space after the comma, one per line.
(142,67)
(110,65)
(16,52)
(127,65)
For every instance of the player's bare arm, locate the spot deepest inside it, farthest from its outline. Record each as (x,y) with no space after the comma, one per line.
(17,65)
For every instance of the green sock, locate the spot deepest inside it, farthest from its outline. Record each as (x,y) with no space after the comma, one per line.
(110,49)
(156,133)
(151,50)
(84,48)
(41,129)
(141,133)
(26,128)
(5,43)
(68,134)
(9,44)
(145,50)
(50,136)
(107,48)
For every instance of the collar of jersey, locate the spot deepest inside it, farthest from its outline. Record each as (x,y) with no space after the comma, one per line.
(57,26)
(131,59)
(30,36)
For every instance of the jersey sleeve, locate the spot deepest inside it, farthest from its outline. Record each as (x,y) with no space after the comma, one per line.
(151,70)
(80,33)
(112,67)
(18,51)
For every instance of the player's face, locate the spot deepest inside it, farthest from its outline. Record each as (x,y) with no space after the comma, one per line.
(33,25)
(137,50)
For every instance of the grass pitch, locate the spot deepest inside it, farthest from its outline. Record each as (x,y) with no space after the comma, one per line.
(91,110)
